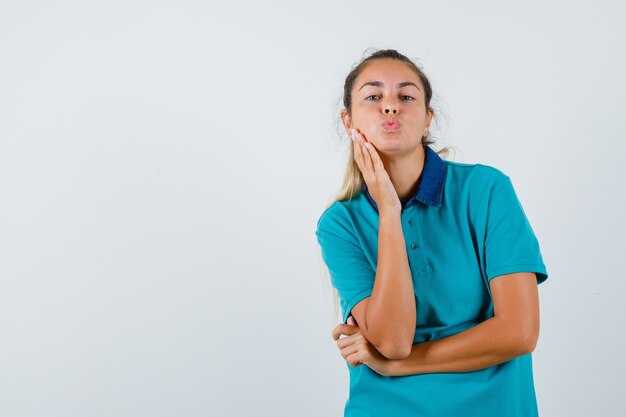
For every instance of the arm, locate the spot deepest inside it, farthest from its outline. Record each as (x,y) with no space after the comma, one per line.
(388,317)
(512,332)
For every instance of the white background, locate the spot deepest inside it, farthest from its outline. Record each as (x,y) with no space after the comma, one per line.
(163,166)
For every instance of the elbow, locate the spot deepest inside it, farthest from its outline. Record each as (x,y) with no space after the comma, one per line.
(392,343)
(528,341)
(395,351)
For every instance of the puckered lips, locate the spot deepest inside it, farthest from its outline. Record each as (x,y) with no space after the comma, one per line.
(391,124)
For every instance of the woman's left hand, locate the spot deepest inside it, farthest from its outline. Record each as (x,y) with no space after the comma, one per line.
(357,350)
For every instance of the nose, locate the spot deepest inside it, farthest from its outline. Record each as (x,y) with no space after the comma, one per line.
(390,108)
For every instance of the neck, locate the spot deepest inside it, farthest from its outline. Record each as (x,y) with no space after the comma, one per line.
(405,171)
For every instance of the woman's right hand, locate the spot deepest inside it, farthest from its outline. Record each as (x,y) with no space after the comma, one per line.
(376,177)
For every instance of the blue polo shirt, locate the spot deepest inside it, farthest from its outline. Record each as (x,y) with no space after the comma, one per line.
(463,227)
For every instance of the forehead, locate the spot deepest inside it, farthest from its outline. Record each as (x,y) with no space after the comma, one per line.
(388,71)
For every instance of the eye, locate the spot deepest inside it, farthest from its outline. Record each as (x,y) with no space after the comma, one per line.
(405,98)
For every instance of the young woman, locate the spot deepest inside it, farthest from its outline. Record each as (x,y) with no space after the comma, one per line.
(435,263)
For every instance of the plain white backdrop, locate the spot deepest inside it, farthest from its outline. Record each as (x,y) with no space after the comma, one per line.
(163,166)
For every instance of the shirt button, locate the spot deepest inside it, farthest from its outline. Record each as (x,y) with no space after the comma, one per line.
(414,246)
(410,221)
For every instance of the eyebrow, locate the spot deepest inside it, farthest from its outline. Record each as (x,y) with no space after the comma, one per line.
(380,84)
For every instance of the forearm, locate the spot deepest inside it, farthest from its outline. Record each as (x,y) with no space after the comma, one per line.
(489,343)
(390,317)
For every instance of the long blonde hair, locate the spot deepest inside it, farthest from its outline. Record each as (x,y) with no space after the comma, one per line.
(353,178)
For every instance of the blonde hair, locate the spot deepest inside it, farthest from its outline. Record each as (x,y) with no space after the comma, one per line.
(353,178)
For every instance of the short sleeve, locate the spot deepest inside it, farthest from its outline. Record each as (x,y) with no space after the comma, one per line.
(510,243)
(350,271)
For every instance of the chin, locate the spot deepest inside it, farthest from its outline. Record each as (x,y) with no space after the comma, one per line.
(391,136)
(387,145)
(389,139)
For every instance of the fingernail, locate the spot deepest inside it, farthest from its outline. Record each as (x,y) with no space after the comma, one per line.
(367,144)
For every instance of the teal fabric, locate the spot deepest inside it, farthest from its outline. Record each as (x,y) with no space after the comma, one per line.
(463,227)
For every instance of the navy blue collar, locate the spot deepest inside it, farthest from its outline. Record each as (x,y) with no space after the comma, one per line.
(430,187)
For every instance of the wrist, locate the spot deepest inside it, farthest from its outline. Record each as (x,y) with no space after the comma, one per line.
(389,212)
(391,367)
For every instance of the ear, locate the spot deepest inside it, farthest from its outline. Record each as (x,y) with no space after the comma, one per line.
(429,118)
(346,120)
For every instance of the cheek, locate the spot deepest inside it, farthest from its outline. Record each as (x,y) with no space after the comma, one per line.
(365,120)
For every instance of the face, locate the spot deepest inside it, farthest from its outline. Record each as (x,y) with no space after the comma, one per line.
(388,106)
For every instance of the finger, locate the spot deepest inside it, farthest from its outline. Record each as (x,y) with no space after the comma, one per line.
(377,163)
(354,339)
(361,156)
(347,341)
(367,159)
(358,153)
(353,358)
(344,329)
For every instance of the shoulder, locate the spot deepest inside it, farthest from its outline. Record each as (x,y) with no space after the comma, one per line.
(477,175)
(349,211)
(334,218)
(335,225)
(344,217)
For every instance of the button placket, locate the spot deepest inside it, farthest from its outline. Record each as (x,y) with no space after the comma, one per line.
(417,258)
